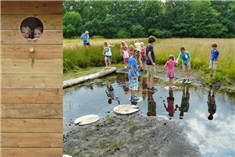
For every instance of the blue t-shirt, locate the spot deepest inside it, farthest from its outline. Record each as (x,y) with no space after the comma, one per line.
(185,57)
(149,48)
(132,62)
(85,38)
(214,55)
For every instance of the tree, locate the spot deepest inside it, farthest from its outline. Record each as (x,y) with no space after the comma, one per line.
(72,21)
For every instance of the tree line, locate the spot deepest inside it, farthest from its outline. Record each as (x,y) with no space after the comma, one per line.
(132,19)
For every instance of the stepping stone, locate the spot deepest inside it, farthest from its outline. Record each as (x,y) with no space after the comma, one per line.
(168,87)
(86,119)
(126,109)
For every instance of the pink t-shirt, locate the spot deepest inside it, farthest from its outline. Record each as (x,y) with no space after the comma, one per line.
(171,65)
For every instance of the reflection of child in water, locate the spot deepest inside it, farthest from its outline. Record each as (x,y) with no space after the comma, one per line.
(170,101)
(110,93)
(126,85)
(151,105)
(211,104)
(184,101)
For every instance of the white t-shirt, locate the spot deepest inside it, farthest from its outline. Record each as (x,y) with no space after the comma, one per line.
(107,51)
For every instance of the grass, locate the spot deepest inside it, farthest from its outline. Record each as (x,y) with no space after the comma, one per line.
(77,57)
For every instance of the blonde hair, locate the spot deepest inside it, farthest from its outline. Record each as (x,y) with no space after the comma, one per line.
(141,44)
(131,47)
(171,57)
(26,28)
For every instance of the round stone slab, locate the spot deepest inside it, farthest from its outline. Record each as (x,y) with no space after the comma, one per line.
(86,119)
(66,155)
(126,109)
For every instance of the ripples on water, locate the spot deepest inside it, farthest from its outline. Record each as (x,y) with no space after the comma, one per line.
(214,137)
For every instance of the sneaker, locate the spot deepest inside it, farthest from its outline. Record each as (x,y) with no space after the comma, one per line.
(183,80)
(188,80)
(135,98)
(152,89)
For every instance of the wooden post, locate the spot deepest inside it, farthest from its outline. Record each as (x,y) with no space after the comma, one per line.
(31,96)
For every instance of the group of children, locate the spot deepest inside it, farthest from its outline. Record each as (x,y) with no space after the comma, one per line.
(147,61)
(28,34)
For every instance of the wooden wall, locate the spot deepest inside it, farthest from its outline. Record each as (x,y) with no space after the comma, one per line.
(31,97)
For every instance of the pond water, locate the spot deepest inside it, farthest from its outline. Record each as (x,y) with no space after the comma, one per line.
(214,137)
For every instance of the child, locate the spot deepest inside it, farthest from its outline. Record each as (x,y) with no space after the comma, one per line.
(170,108)
(171,68)
(131,49)
(150,61)
(110,93)
(185,55)
(213,59)
(143,57)
(37,33)
(133,75)
(138,47)
(26,32)
(211,104)
(108,54)
(124,53)
(184,102)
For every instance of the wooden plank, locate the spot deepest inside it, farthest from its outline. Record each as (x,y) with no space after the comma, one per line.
(31,111)
(31,125)
(42,7)
(31,96)
(50,22)
(32,152)
(25,66)
(34,80)
(48,37)
(41,52)
(32,140)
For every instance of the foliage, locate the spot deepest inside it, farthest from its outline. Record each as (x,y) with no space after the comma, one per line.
(131,19)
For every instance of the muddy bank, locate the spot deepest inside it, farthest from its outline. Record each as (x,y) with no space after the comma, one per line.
(129,136)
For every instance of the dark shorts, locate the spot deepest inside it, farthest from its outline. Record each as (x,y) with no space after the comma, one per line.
(143,59)
(86,44)
(108,56)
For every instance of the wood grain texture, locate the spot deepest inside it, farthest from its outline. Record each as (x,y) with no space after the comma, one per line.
(13,22)
(34,80)
(25,66)
(32,96)
(32,111)
(32,140)
(48,37)
(31,152)
(31,125)
(41,52)
(41,7)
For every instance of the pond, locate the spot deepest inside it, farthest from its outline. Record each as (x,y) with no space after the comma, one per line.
(214,137)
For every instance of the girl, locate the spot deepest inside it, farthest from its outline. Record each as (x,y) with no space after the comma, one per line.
(108,54)
(143,59)
(37,33)
(131,49)
(124,53)
(26,32)
(171,68)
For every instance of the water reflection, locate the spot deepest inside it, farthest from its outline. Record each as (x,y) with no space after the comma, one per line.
(214,137)
(170,108)
(151,105)
(110,94)
(211,103)
(184,101)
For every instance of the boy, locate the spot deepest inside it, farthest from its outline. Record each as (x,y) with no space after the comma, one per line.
(85,38)
(133,75)
(185,55)
(213,59)
(150,62)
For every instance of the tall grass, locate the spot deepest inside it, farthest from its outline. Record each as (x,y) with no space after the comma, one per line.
(80,56)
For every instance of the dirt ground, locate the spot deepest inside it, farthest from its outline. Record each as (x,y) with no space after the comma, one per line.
(130,136)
